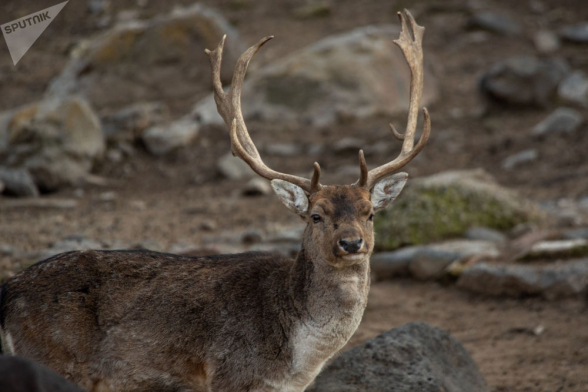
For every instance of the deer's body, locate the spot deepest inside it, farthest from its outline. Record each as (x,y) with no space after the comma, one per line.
(128,321)
(122,320)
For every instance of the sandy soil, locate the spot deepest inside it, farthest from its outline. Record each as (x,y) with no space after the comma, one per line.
(166,200)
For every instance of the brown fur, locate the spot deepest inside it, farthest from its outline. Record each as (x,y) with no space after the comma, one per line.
(139,320)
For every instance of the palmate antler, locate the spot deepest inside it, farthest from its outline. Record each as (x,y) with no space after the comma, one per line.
(229,107)
(413,53)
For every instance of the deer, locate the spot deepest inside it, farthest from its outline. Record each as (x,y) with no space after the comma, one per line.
(128,320)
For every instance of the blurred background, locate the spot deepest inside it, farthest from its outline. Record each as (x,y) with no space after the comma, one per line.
(109,138)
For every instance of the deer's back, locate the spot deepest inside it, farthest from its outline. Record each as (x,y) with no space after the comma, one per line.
(93,313)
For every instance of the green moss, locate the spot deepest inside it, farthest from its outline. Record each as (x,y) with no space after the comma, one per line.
(429,214)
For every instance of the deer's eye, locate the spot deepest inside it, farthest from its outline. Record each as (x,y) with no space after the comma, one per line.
(371,218)
(316,218)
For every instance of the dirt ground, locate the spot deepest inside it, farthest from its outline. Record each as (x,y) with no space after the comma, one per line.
(165,200)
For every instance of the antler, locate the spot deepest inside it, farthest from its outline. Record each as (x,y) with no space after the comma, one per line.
(413,53)
(229,107)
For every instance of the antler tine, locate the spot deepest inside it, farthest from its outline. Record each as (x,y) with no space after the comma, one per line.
(229,107)
(411,46)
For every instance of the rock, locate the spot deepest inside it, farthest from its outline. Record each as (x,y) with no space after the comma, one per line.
(445,205)
(520,158)
(562,120)
(546,42)
(284,149)
(315,9)
(146,60)
(17,182)
(316,149)
(413,357)
(350,76)
(128,123)
(207,225)
(348,145)
(485,234)
(257,187)
(429,263)
(388,265)
(19,374)
(57,141)
(574,89)
(553,281)
(234,168)
(495,23)
(573,234)
(164,139)
(558,249)
(466,248)
(524,80)
(577,33)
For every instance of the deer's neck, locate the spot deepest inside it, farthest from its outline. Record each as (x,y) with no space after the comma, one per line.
(323,294)
(328,305)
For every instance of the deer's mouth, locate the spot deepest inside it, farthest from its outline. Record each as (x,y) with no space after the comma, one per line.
(354,256)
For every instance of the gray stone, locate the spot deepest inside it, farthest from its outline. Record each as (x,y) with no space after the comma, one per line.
(164,139)
(348,145)
(158,53)
(388,265)
(558,280)
(429,263)
(573,234)
(546,41)
(351,76)
(128,123)
(19,374)
(283,149)
(520,158)
(562,120)
(445,205)
(485,234)
(558,249)
(495,22)
(56,140)
(410,358)
(257,187)
(314,9)
(234,168)
(574,89)
(18,182)
(524,80)
(577,33)
(316,149)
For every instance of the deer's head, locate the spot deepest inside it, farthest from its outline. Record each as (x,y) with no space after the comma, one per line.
(339,217)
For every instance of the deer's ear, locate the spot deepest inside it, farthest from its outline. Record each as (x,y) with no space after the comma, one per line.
(387,189)
(292,196)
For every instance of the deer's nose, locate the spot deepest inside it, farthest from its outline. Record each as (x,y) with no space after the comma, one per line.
(351,245)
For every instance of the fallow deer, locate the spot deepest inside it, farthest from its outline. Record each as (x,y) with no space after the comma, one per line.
(147,321)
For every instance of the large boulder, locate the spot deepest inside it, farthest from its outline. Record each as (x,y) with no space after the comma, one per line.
(56,140)
(410,358)
(345,77)
(524,80)
(19,374)
(552,281)
(157,59)
(447,204)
